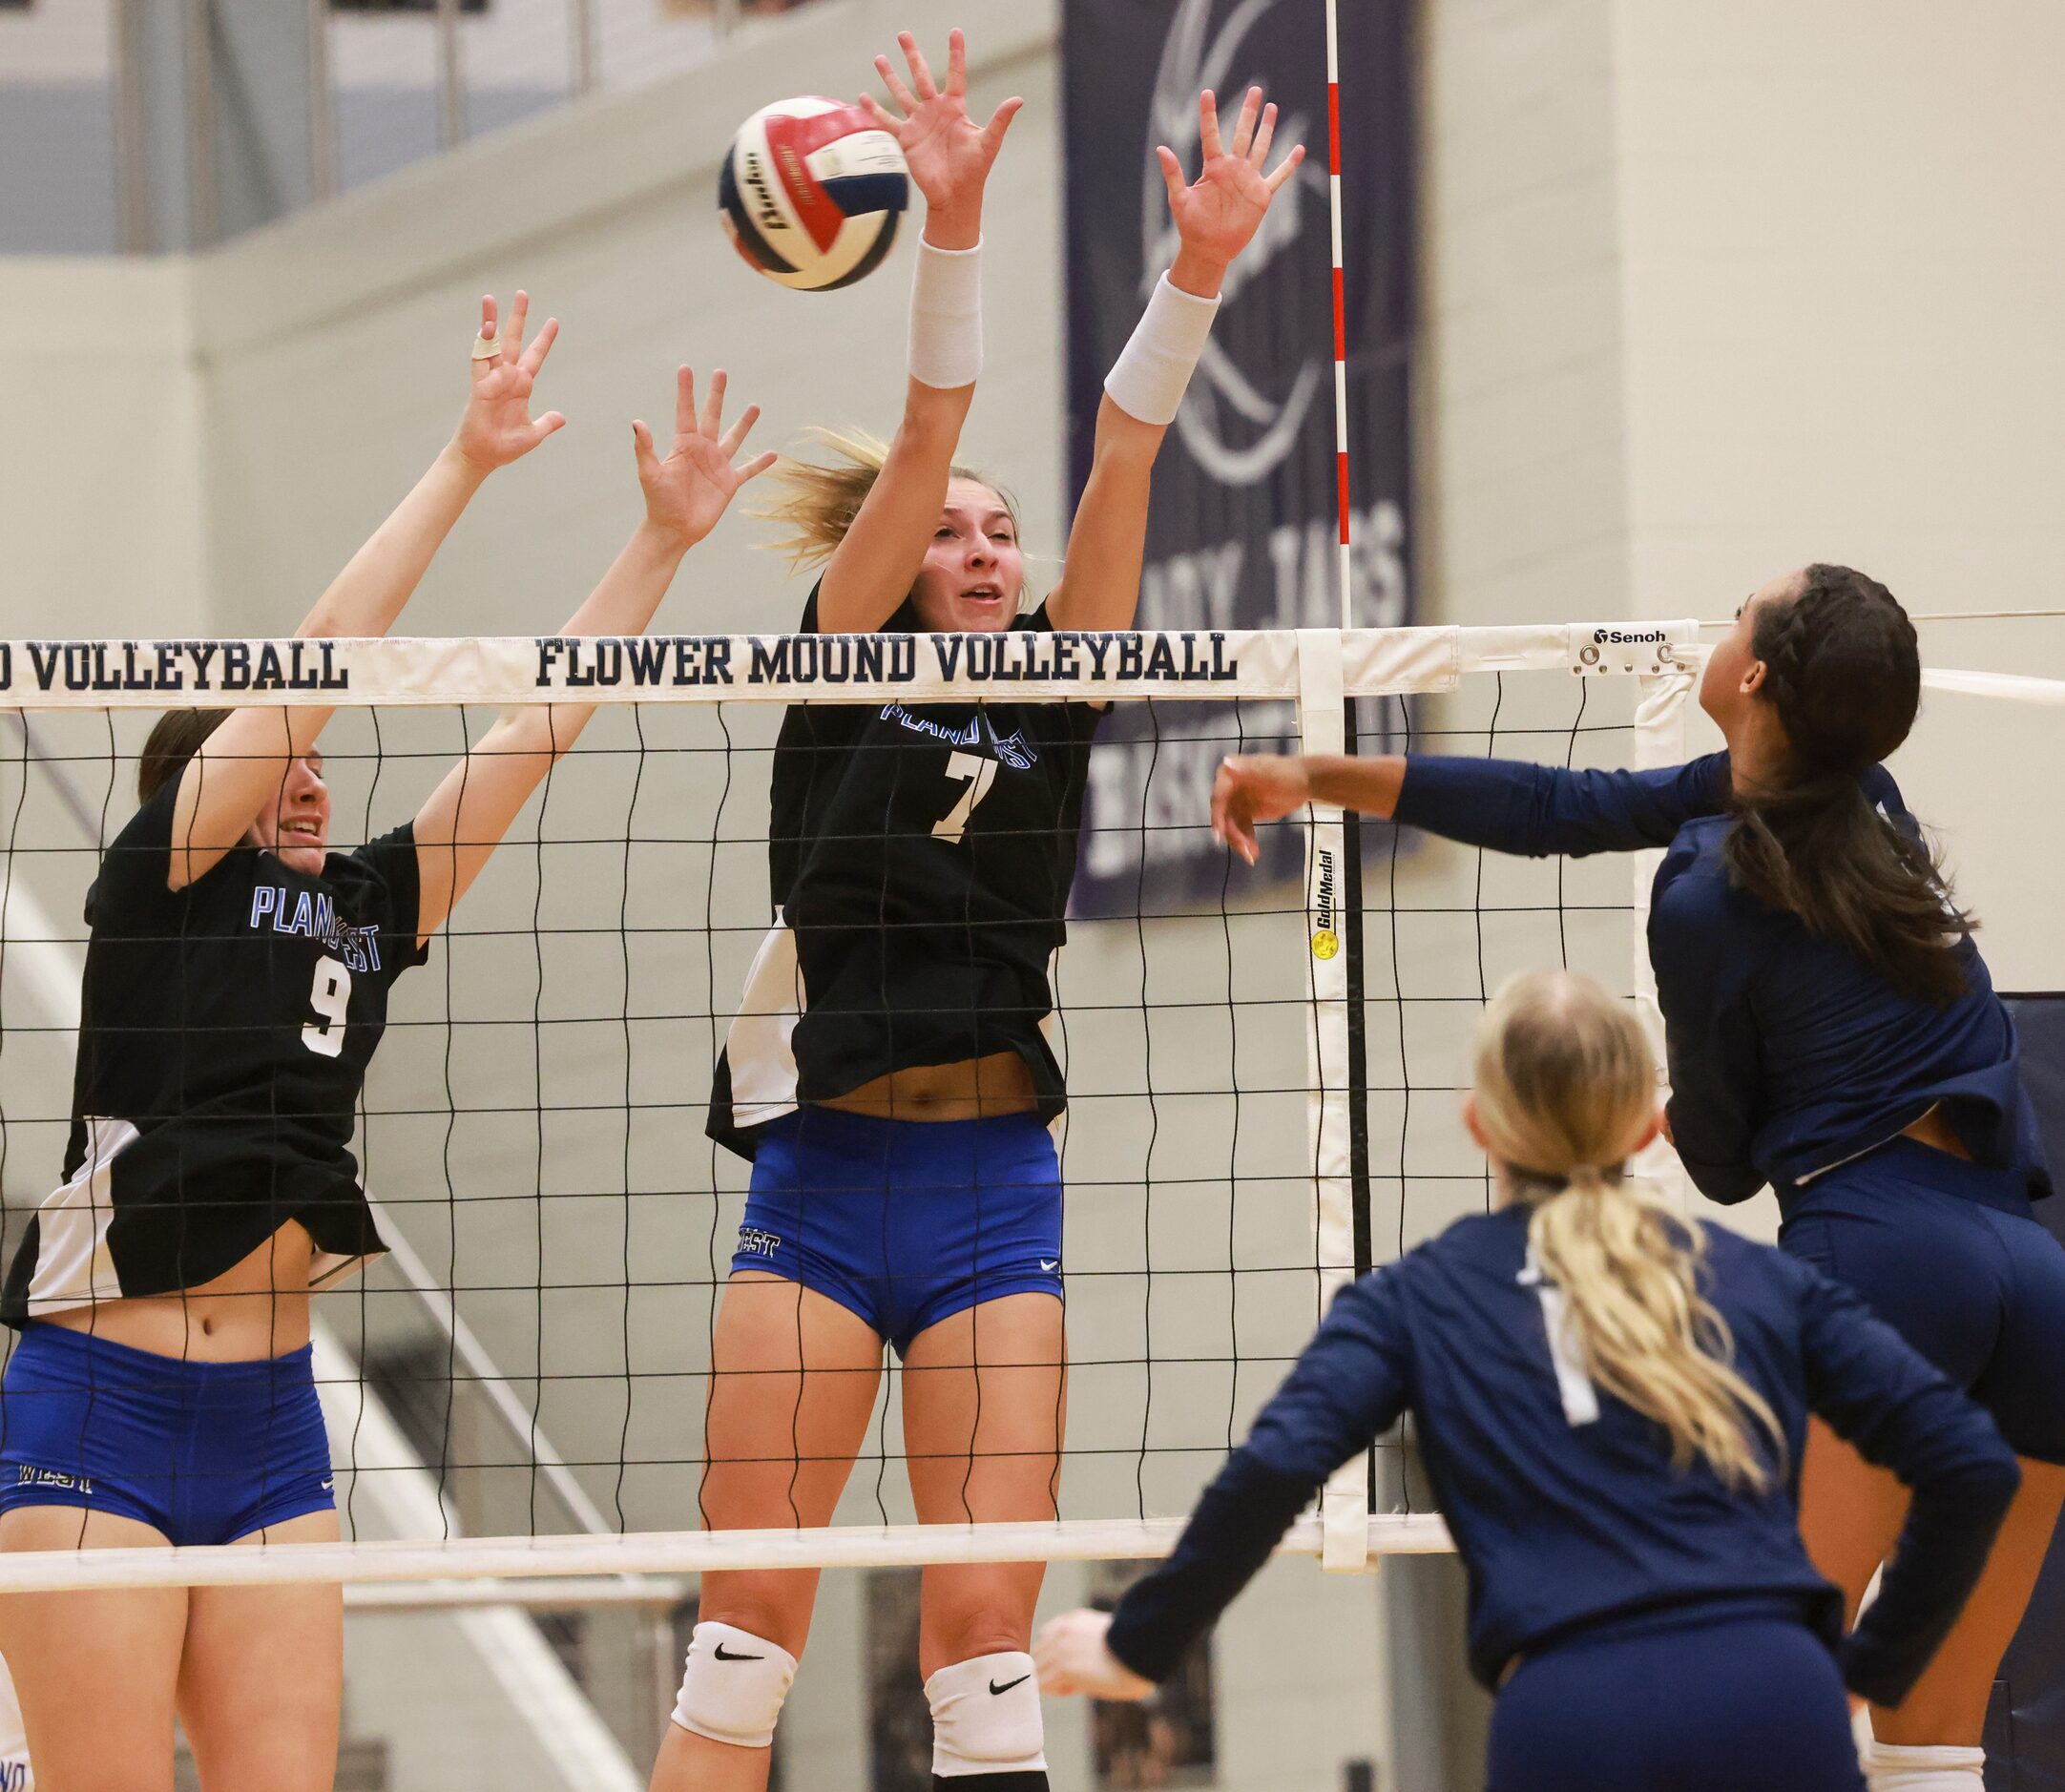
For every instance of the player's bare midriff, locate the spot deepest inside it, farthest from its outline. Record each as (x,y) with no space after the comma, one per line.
(256,1308)
(973,1089)
(1933,1130)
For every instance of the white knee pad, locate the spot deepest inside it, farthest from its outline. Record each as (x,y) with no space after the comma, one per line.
(986,1717)
(733,1686)
(1890,1767)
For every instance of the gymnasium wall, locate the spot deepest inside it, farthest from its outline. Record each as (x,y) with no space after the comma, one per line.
(1839,303)
(1709,289)
(101,469)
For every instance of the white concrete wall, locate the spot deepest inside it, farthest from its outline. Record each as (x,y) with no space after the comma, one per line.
(1522,490)
(1710,289)
(102,480)
(101,514)
(1840,345)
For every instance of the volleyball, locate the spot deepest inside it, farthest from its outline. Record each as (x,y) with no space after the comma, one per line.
(811,193)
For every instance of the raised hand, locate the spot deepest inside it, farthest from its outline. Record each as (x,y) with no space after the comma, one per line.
(1218,214)
(498,427)
(950,154)
(687,492)
(1254,788)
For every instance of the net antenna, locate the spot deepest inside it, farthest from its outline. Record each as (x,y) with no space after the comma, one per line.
(1338,1010)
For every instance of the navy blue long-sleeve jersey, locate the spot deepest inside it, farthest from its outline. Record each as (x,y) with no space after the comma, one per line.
(1787,1055)
(1562,1500)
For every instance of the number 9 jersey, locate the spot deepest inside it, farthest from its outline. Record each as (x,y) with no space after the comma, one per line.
(920,858)
(224,1038)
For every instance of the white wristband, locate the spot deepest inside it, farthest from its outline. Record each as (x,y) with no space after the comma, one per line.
(946,316)
(1154,366)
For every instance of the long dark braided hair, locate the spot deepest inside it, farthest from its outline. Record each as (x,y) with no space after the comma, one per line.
(1845,674)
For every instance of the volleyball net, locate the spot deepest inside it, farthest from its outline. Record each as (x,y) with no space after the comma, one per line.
(1263,1066)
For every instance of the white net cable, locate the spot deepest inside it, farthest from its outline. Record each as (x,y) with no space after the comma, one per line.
(537,1351)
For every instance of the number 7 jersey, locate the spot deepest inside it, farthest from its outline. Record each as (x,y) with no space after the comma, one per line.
(920,858)
(224,1035)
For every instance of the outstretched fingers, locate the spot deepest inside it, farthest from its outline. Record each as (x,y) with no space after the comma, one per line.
(541,346)
(957,62)
(684,402)
(513,331)
(713,405)
(921,71)
(642,450)
(1208,124)
(1259,154)
(880,114)
(992,134)
(898,92)
(1243,127)
(734,438)
(1172,171)
(1287,167)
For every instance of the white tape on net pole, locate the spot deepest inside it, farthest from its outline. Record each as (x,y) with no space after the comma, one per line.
(1344,1501)
(1660,741)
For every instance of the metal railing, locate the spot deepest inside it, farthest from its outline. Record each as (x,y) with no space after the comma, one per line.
(210,116)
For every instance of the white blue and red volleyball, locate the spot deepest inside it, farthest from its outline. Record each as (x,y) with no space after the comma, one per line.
(811,191)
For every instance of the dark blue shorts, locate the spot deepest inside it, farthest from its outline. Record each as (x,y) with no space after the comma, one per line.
(1676,1702)
(1949,1254)
(202,1452)
(906,1223)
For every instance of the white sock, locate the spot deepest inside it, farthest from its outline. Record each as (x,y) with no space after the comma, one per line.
(986,1717)
(1894,1767)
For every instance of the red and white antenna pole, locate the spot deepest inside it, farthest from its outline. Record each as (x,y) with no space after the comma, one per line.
(1340,308)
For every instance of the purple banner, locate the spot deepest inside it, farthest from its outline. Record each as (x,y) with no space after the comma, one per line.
(1244,531)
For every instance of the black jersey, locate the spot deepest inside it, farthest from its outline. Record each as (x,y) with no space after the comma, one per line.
(920,858)
(223,1037)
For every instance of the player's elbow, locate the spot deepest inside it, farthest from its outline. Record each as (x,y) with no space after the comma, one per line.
(1987,1481)
(1728,1183)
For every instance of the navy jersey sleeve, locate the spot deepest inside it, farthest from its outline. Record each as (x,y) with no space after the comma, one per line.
(1511,806)
(1878,1394)
(1347,1388)
(385,882)
(1703,987)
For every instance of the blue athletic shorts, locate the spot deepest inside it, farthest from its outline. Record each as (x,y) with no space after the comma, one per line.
(202,1452)
(1949,1254)
(906,1223)
(1676,1701)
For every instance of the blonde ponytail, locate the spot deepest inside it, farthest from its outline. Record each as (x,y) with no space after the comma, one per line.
(817,502)
(1565,1087)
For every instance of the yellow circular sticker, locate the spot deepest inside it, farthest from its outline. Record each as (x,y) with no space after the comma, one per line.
(1324,944)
